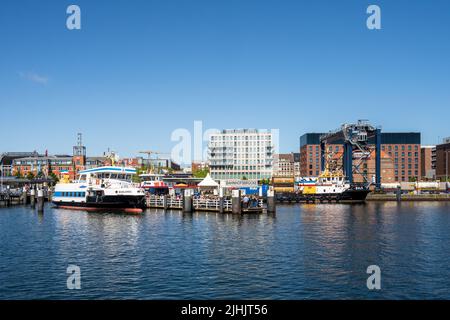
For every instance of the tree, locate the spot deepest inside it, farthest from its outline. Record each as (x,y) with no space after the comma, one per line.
(54,177)
(30,176)
(201,173)
(18,175)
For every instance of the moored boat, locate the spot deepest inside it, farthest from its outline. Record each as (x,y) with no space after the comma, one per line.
(153,183)
(101,189)
(333,186)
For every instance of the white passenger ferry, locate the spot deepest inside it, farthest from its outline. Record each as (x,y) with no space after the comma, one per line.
(103,188)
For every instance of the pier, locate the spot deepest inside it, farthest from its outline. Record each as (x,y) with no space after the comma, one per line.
(215,204)
(8,198)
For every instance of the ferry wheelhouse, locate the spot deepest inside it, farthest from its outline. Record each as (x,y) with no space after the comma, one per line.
(153,183)
(103,188)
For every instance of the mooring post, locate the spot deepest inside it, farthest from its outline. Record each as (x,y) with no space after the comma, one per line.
(271,206)
(221,200)
(7,198)
(40,200)
(33,198)
(399,193)
(165,202)
(24,196)
(236,201)
(187,201)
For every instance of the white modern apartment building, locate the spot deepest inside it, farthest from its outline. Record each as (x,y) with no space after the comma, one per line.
(240,154)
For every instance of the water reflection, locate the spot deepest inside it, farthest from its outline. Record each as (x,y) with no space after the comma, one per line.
(304,251)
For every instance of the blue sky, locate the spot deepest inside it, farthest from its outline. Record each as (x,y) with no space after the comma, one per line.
(137,70)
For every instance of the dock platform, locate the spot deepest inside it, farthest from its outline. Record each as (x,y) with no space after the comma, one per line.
(211,205)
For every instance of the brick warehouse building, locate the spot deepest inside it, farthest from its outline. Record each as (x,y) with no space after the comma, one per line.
(427,171)
(400,156)
(443,161)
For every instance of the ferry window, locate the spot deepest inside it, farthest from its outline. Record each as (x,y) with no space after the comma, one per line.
(106,175)
(113,176)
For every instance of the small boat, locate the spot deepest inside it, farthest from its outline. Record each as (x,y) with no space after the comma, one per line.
(153,183)
(101,189)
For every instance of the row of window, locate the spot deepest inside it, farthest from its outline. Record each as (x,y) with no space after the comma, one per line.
(383,147)
(416,173)
(73,194)
(231,144)
(416,166)
(239,137)
(389,147)
(42,162)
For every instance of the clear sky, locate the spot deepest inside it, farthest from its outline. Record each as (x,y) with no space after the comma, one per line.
(138,70)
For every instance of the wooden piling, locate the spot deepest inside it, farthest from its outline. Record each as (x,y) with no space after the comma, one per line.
(23,197)
(165,202)
(187,201)
(236,202)
(40,200)
(33,198)
(271,203)
(398,194)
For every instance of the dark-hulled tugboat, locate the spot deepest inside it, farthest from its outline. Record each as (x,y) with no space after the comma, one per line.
(333,186)
(101,189)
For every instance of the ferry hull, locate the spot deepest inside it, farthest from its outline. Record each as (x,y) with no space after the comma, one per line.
(132,204)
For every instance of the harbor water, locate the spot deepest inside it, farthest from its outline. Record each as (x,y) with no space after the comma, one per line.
(309,251)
